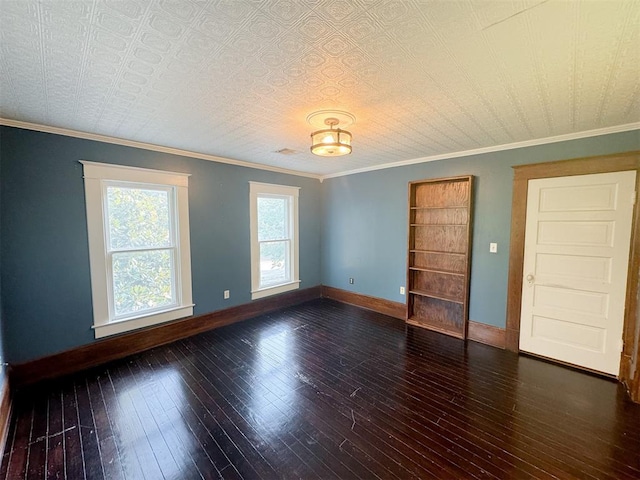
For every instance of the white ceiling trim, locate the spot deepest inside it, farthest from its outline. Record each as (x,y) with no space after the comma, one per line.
(497,148)
(185,153)
(148,146)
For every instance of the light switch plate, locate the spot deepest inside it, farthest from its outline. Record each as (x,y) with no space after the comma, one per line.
(493,248)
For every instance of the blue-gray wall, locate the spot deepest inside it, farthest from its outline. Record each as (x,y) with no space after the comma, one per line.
(352,226)
(364,225)
(45,281)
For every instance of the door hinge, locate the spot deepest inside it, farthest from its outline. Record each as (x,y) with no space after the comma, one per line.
(621,345)
(634,196)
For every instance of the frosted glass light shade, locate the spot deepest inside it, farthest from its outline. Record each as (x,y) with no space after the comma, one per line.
(331,142)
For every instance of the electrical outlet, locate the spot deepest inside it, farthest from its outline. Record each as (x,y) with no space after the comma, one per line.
(401,290)
(493,248)
(226,294)
(351,281)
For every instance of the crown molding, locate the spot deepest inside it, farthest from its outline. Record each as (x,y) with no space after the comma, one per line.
(203,156)
(149,146)
(497,148)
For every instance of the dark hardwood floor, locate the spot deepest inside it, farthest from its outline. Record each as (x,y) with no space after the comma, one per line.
(324,390)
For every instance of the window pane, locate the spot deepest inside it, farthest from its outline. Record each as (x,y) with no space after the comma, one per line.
(274,268)
(272,218)
(142,281)
(138,218)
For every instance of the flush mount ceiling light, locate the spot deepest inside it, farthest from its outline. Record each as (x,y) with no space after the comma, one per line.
(332,141)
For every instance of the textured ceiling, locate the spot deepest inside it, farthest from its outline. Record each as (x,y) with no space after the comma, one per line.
(237,78)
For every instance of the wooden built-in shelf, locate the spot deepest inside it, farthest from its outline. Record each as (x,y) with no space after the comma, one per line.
(440,213)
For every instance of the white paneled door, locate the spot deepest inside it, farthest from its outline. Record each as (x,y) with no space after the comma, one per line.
(578,231)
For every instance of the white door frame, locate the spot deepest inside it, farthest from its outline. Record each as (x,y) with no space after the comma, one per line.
(630,360)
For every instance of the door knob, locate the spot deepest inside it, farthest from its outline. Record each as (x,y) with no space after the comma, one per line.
(530,278)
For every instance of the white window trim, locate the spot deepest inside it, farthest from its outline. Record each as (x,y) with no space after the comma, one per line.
(95,176)
(256,189)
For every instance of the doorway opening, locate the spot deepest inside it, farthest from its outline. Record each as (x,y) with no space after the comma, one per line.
(629,372)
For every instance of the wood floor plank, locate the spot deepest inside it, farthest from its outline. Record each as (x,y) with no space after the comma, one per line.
(249,379)
(355,388)
(37,459)
(265,416)
(349,389)
(123,437)
(109,457)
(324,390)
(55,436)
(241,429)
(430,394)
(306,381)
(214,419)
(192,412)
(167,419)
(298,379)
(74,463)
(88,437)
(22,420)
(150,450)
(206,453)
(151,424)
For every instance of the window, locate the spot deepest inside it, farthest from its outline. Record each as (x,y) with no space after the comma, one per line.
(274,239)
(138,225)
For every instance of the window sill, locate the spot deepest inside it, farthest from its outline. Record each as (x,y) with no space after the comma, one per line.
(155,318)
(268,291)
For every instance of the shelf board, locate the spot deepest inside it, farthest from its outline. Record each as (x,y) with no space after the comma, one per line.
(437,296)
(422,269)
(439,224)
(439,252)
(439,208)
(453,333)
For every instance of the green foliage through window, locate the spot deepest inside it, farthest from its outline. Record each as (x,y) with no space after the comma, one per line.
(138,218)
(141,246)
(142,281)
(273,238)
